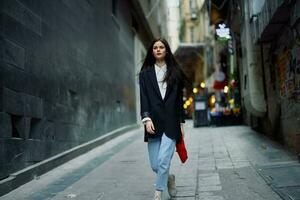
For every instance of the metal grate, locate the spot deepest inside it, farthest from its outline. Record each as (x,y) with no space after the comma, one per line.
(283,179)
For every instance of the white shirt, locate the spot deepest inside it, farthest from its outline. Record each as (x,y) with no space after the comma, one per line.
(160,75)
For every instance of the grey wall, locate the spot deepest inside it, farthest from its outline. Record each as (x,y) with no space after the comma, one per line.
(287,84)
(66,76)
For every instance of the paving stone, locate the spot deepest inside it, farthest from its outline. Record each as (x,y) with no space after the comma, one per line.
(182,181)
(241,164)
(127,174)
(186,193)
(209,188)
(209,182)
(225,166)
(207,168)
(211,198)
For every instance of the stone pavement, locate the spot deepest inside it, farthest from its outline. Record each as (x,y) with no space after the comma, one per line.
(224,164)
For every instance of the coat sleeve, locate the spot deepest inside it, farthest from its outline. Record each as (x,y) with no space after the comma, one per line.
(180,96)
(144,100)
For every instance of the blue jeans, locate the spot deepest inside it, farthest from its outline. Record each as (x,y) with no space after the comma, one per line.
(161,151)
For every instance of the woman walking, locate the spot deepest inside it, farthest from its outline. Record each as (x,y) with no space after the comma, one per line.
(161,83)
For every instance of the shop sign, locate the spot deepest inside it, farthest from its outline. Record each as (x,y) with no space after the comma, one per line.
(223,32)
(200,105)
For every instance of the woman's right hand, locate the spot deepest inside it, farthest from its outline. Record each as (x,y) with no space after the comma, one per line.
(150,127)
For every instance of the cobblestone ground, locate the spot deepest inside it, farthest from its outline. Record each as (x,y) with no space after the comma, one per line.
(223,164)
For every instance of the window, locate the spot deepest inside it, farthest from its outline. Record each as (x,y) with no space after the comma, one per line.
(192,5)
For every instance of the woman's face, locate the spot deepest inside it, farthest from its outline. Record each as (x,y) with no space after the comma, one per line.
(159,50)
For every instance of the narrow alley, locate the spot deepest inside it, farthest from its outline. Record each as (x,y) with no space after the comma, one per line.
(81,79)
(225,163)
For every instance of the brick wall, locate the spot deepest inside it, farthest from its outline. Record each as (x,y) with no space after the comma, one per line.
(66,76)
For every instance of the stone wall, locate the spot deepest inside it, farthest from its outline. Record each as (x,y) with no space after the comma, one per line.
(287,70)
(66,76)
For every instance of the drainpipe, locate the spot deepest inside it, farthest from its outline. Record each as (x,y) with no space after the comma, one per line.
(254,98)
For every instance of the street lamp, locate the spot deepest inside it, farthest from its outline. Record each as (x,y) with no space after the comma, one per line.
(202,85)
(226,89)
(195,90)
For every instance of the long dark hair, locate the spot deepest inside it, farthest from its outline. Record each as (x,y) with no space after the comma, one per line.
(174,73)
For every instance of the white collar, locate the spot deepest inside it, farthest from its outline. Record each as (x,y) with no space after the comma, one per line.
(163,68)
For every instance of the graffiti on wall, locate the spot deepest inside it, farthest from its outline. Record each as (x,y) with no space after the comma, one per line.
(294,70)
(288,62)
(282,65)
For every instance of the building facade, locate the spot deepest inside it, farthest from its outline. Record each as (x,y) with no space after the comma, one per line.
(68,72)
(268,55)
(196,38)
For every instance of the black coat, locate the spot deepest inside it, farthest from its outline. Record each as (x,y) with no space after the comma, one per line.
(166,114)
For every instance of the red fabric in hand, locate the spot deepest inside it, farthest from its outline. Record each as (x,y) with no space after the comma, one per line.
(181,150)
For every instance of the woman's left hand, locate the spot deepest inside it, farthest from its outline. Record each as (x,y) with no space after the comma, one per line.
(182,130)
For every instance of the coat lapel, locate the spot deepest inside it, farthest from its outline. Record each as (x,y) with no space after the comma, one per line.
(169,89)
(153,80)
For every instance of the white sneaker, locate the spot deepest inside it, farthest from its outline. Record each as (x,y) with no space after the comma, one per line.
(157,195)
(171,185)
